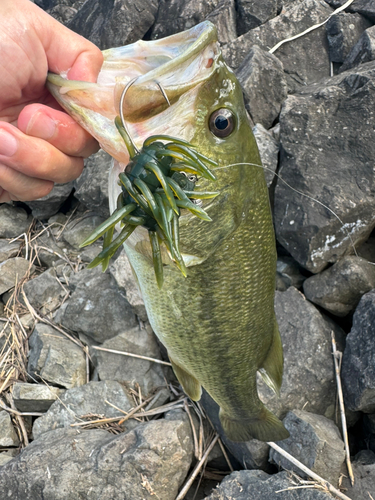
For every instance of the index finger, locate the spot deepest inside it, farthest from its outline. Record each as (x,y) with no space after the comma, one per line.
(57,128)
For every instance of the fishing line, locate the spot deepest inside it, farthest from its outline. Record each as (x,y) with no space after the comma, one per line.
(302,194)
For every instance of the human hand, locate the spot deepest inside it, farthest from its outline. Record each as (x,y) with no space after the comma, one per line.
(39,143)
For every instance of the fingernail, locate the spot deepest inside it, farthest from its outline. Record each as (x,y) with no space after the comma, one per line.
(42,126)
(8,143)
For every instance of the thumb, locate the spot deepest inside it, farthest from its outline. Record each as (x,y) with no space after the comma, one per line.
(65,50)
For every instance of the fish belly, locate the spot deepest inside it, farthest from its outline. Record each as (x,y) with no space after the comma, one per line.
(219,325)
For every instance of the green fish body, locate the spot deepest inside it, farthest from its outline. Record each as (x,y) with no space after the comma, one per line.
(218,324)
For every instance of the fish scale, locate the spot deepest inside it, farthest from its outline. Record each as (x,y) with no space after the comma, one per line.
(212,323)
(218,324)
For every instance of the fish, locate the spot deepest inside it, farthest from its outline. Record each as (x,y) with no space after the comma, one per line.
(217,321)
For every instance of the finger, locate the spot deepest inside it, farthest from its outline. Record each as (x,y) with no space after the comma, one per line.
(15,186)
(35,157)
(57,128)
(66,50)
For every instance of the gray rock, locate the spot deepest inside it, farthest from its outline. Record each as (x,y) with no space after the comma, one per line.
(88,254)
(262,78)
(62,10)
(63,13)
(367,250)
(147,463)
(252,13)
(174,16)
(288,3)
(8,435)
(97,308)
(6,456)
(92,186)
(343,32)
(51,250)
(340,288)
(365,7)
(364,473)
(34,397)
(257,485)
(358,364)
(114,23)
(224,18)
(306,59)
(369,422)
(79,229)
(55,358)
(12,271)
(121,270)
(215,459)
(84,400)
(45,292)
(13,221)
(315,441)
(288,273)
(49,205)
(308,380)
(126,369)
(322,137)
(362,52)
(9,250)
(268,150)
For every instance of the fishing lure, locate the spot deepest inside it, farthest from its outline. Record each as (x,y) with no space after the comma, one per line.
(157,183)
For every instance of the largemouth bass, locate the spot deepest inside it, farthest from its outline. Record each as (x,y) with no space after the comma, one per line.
(217,323)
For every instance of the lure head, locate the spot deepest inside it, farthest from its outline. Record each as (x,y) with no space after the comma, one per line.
(205,108)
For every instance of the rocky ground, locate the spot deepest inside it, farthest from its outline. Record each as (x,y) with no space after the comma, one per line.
(80,421)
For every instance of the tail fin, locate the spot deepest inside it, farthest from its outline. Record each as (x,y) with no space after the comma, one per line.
(264,427)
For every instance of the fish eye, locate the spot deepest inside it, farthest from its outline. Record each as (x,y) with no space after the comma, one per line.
(222,122)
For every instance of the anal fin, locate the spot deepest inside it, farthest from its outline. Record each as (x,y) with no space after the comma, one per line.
(190,384)
(272,369)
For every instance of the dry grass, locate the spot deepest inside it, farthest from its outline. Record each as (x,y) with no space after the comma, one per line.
(19,319)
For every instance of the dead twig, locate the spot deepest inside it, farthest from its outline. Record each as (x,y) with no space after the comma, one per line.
(114,419)
(123,353)
(196,449)
(336,356)
(19,420)
(221,446)
(19,413)
(196,469)
(87,358)
(225,455)
(309,472)
(48,322)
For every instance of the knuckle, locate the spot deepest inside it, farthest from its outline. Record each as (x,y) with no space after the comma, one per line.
(44,189)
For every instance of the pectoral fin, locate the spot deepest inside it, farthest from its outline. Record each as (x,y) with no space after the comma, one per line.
(272,370)
(190,384)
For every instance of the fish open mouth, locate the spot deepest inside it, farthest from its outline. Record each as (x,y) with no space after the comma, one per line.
(178,64)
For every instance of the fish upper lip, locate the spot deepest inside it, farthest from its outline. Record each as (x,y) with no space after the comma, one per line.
(208,35)
(200,36)
(178,63)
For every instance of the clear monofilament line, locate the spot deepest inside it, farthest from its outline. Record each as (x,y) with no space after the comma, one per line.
(300,193)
